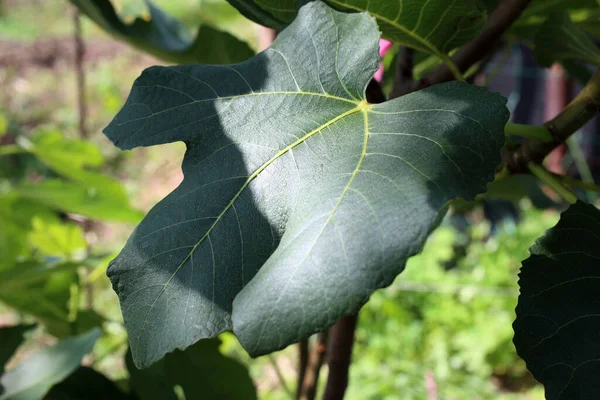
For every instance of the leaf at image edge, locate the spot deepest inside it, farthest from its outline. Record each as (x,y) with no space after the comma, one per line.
(165,37)
(557,326)
(35,376)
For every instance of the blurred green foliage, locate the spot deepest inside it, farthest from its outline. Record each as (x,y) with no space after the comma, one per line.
(453,325)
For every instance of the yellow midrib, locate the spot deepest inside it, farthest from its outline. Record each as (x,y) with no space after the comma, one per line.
(362,106)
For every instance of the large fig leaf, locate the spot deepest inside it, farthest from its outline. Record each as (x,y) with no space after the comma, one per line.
(163,36)
(299,198)
(557,330)
(433,26)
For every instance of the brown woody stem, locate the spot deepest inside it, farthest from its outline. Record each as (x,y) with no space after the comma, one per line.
(339,355)
(316,358)
(498,22)
(583,108)
(302,365)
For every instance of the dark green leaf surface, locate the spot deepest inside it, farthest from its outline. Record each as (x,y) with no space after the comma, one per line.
(559,39)
(433,26)
(86,384)
(557,330)
(34,377)
(201,371)
(251,10)
(11,338)
(299,199)
(163,36)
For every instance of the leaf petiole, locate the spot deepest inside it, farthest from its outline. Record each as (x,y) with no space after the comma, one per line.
(551,180)
(528,131)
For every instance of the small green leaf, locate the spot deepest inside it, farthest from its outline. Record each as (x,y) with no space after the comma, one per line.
(61,154)
(299,198)
(11,338)
(163,36)
(70,159)
(201,371)
(15,219)
(559,39)
(557,329)
(36,375)
(43,291)
(55,238)
(78,199)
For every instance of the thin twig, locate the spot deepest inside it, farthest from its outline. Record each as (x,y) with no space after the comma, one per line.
(279,374)
(302,365)
(339,356)
(80,73)
(548,178)
(497,24)
(582,165)
(315,361)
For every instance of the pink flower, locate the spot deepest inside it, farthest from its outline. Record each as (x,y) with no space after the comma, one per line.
(384,47)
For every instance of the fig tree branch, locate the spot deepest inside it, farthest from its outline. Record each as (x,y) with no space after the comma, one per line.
(339,356)
(507,12)
(308,390)
(579,111)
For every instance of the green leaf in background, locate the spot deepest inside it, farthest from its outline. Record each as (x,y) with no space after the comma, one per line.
(11,338)
(251,10)
(91,193)
(16,215)
(290,175)
(78,199)
(55,238)
(517,187)
(559,39)
(163,36)
(557,329)
(36,375)
(434,27)
(584,13)
(62,154)
(86,384)
(201,371)
(44,291)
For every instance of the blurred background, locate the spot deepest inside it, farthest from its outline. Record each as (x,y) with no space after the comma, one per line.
(69,199)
